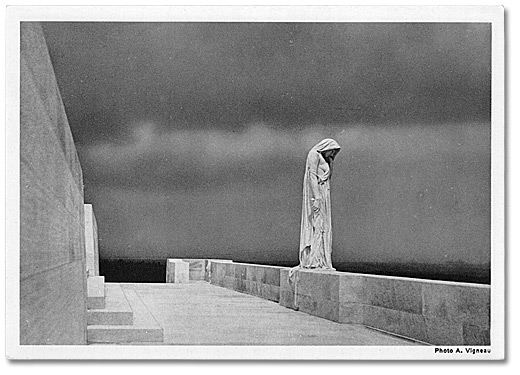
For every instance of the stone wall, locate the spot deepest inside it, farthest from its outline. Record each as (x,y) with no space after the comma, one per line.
(52,243)
(434,312)
(257,280)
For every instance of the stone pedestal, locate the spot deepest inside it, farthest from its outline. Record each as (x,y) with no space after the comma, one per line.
(91,241)
(177,271)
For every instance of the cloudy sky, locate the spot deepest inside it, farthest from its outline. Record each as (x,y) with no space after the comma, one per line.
(193,136)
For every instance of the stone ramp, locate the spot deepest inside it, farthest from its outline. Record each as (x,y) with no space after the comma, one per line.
(125,319)
(198,313)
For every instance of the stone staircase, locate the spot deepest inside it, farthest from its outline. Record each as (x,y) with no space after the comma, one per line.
(116,315)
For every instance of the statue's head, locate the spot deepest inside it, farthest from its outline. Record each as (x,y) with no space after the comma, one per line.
(328,148)
(330,154)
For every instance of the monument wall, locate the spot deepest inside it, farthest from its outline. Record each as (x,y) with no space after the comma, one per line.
(52,233)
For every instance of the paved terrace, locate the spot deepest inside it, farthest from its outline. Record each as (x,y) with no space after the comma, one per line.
(198,313)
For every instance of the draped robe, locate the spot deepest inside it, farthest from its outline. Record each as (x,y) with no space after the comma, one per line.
(316,227)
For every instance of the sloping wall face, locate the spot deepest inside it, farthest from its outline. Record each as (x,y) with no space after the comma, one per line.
(52,243)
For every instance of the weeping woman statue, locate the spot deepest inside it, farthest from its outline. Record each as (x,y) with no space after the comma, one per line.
(316,226)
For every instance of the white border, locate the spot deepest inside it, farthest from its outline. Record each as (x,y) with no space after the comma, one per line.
(493,14)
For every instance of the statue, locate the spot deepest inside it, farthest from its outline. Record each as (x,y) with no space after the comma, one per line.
(316,226)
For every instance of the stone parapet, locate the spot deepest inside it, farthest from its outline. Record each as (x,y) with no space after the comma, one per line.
(254,279)
(434,312)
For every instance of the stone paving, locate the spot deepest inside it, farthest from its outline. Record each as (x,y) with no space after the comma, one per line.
(198,313)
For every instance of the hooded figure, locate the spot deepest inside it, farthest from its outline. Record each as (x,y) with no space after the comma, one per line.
(316,226)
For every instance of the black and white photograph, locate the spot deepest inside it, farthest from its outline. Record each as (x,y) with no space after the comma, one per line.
(268,183)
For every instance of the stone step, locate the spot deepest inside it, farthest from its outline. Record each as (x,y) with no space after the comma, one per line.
(145,329)
(96,292)
(117,310)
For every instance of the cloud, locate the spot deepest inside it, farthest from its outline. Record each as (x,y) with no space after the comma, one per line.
(155,159)
(294,75)
(190,159)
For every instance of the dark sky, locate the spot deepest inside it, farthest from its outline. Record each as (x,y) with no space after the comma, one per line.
(186,130)
(229,75)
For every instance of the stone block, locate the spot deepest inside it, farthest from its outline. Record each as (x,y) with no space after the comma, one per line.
(407,296)
(457,302)
(215,271)
(270,292)
(318,284)
(440,301)
(240,285)
(247,286)
(197,268)
(272,276)
(352,288)
(287,299)
(96,292)
(91,241)
(323,308)
(382,318)
(114,334)
(255,288)
(207,269)
(177,271)
(475,335)
(443,332)
(274,293)
(284,279)
(109,317)
(350,312)
(228,282)
(412,326)
(474,305)
(379,292)
(240,271)
(254,273)
(229,269)
(250,272)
